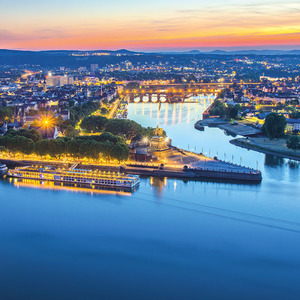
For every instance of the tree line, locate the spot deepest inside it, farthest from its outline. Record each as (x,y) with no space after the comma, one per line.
(79,112)
(106,145)
(218,108)
(128,128)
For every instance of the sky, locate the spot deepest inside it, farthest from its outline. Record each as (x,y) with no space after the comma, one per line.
(149,25)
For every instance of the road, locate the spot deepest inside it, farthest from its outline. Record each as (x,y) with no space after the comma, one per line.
(114,109)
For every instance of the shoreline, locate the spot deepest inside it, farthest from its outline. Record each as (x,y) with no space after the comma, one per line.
(234,129)
(203,172)
(192,174)
(248,145)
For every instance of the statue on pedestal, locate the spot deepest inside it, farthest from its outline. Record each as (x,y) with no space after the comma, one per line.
(158,143)
(159,131)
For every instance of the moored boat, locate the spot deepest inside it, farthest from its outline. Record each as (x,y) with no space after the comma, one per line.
(76,176)
(3,169)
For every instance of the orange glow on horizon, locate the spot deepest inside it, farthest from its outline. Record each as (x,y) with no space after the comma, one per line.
(88,43)
(200,25)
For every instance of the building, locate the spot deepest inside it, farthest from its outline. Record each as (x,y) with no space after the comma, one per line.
(293,125)
(94,67)
(58,80)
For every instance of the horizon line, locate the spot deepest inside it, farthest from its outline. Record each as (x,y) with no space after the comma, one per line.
(178,50)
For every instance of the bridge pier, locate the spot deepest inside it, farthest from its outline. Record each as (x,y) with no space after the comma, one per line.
(169,97)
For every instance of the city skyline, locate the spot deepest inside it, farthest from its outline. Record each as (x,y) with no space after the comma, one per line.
(151,26)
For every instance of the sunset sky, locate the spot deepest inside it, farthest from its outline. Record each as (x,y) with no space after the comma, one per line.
(150,25)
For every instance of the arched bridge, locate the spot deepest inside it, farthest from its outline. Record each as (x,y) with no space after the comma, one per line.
(173,93)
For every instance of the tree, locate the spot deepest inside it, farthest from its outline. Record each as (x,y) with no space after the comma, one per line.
(32,134)
(217,109)
(274,126)
(93,123)
(42,147)
(17,143)
(293,142)
(232,111)
(119,152)
(25,145)
(127,127)
(104,110)
(71,131)
(73,147)
(80,111)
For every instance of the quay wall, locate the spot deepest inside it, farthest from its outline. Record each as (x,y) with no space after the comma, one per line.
(194,174)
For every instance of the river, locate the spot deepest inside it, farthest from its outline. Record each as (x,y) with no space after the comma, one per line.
(168,240)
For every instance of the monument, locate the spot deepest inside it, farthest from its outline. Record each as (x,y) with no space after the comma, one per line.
(159,144)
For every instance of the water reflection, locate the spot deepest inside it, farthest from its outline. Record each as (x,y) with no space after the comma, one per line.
(158,184)
(75,188)
(293,164)
(178,121)
(273,161)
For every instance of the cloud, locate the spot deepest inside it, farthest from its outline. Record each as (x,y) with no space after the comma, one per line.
(231,21)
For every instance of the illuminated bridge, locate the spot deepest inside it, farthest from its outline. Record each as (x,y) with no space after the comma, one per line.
(173,93)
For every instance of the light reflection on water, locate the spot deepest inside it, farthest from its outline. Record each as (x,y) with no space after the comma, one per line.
(178,121)
(170,239)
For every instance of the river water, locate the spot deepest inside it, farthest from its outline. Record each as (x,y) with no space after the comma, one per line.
(168,240)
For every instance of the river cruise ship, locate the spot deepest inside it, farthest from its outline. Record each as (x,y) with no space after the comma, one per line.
(3,169)
(76,176)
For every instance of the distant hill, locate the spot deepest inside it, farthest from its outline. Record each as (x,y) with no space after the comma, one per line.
(63,52)
(7,52)
(255,52)
(55,58)
(194,52)
(235,52)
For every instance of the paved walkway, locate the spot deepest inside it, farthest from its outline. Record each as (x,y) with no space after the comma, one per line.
(197,161)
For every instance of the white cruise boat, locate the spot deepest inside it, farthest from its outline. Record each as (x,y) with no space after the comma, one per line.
(76,176)
(3,170)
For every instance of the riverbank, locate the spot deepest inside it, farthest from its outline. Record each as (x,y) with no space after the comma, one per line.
(12,163)
(179,164)
(235,128)
(264,145)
